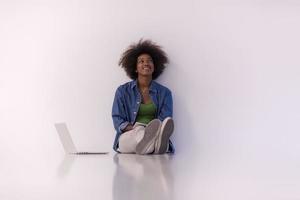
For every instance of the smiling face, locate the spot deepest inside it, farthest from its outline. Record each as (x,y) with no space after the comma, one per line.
(144,65)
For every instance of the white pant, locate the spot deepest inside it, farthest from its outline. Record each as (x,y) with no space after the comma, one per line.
(129,139)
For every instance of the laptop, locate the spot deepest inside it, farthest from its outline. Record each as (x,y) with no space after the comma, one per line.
(67,141)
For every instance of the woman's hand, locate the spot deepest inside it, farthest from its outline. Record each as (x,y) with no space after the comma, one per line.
(128,127)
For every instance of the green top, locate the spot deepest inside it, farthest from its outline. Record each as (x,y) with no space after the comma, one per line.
(146,113)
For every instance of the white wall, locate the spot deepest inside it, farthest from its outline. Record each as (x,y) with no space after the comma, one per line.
(234,73)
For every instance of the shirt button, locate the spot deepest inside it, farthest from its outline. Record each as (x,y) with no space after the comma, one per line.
(134,113)
(137,102)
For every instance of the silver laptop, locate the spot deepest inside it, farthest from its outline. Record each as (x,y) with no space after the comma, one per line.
(67,141)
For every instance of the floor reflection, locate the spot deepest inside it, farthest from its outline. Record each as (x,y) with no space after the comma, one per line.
(65,165)
(143,177)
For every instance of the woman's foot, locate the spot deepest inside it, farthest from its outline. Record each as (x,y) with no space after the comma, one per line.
(162,141)
(151,133)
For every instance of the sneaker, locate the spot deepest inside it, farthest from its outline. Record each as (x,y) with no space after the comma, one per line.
(151,133)
(162,141)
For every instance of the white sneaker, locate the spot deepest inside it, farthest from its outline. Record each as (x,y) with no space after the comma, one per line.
(151,133)
(162,141)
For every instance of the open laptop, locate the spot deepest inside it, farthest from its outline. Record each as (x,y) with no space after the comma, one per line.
(67,141)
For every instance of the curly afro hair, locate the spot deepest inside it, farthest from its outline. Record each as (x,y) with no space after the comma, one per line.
(128,60)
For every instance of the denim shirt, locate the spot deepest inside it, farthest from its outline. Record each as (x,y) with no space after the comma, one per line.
(127,102)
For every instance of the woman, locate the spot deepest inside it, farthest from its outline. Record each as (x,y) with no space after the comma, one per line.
(142,109)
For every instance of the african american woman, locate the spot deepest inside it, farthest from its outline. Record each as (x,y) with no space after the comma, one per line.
(142,108)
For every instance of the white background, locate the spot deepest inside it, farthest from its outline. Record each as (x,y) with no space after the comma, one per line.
(234,72)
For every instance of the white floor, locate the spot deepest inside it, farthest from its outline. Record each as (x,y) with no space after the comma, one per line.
(130,177)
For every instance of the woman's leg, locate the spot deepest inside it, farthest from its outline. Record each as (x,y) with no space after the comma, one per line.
(141,139)
(129,140)
(162,141)
(146,144)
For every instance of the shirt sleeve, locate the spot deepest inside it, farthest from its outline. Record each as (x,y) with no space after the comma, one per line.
(118,112)
(167,107)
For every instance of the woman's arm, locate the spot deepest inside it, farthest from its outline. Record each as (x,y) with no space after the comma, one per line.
(167,106)
(118,113)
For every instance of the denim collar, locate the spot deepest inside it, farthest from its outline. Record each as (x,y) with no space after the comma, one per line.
(152,88)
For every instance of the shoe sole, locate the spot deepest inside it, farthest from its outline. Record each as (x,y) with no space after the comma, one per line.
(150,135)
(167,130)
